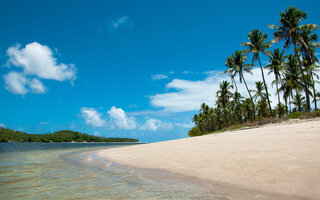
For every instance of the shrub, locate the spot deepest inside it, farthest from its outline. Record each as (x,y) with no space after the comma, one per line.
(295,115)
(195,131)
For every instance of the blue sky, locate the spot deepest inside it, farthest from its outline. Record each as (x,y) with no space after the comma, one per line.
(122,68)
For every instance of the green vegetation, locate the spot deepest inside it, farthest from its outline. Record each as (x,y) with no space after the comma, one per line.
(8,135)
(294,78)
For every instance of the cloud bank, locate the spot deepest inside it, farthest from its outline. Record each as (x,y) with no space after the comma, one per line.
(118,119)
(189,95)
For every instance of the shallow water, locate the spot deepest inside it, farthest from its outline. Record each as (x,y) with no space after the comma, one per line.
(73,171)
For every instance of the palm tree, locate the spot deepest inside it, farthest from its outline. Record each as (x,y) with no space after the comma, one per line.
(310,59)
(262,96)
(291,80)
(298,101)
(230,71)
(256,45)
(239,67)
(276,60)
(259,92)
(223,96)
(247,109)
(290,31)
(236,105)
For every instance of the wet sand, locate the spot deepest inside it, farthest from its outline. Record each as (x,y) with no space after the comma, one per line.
(278,161)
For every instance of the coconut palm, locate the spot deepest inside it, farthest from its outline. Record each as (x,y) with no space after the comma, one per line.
(259,92)
(230,71)
(236,105)
(290,31)
(257,45)
(223,99)
(308,51)
(291,79)
(275,66)
(239,67)
(247,109)
(262,97)
(298,101)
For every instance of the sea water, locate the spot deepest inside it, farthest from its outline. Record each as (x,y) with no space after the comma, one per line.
(73,171)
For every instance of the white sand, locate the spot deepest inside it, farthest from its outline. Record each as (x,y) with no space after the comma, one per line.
(282,158)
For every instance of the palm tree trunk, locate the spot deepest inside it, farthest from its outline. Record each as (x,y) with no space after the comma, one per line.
(303,78)
(234,82)
(289,105)
(286,102)
(315,97)
(276,78)
(277,90)
(238,103)
(254,110)
(265,85)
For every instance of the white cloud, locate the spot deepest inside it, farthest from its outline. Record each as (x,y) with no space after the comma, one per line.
(121,120)
(123,22)
(44,123)
(189,95)
(155,124)
(184,125)
(37,86)
(2,125)
(36,59)
(15,83)
(92,117)
(159,77)
(37,62)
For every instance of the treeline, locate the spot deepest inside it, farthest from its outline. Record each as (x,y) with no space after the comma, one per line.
(8,135)
(294,73)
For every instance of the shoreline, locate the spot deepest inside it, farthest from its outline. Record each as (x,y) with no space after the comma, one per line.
(226,190)
(268,161)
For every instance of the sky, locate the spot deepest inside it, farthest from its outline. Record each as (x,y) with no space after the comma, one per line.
(136,69)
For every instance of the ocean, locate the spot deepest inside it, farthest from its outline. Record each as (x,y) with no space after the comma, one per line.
(73,171)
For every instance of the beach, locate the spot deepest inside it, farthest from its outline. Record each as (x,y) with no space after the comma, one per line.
(275,161)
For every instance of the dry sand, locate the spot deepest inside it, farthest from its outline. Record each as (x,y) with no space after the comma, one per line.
(281,159)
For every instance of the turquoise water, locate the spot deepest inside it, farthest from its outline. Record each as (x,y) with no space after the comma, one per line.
(73,171)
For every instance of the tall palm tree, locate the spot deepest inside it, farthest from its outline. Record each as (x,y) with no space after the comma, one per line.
(275,66)
(308,51)
(257,45)
(291,79)
(230,71)
(239,67)
(290,31)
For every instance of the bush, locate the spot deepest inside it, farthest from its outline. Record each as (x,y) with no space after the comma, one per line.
(195,131)
(313,114)
(295,115)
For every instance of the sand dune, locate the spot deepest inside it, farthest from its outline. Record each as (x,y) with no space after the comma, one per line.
(279,159)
